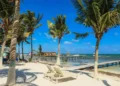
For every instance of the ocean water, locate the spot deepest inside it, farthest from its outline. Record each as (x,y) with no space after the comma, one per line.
(112,69)
(89,58)
(84,59)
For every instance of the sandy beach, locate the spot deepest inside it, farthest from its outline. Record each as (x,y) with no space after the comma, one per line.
(34,73)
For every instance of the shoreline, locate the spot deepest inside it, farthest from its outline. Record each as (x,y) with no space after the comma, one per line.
(34,73)
(106,73)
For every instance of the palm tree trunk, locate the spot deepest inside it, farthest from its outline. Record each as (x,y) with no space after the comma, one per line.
(96,59)
(31,48)
(22,51)
(2,51)
(58,58)
(11,72)
(18,52)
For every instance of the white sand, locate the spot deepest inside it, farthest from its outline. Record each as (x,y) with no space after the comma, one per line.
(34,73)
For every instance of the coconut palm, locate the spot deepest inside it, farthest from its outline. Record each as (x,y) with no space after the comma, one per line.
(22,35)
(57,30)
(32,22)
(101,15)
(40,50)
(20,40)
(11,72)
(6,15)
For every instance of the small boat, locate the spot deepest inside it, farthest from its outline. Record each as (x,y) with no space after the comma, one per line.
(76,55)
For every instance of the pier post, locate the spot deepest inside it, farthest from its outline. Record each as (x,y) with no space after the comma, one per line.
(119,63)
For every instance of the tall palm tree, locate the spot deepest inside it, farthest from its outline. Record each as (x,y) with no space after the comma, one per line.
(22,34)
(11,72)
(40,50)
(101,15)
(32,22)
(22,37)
(58,29)
(6,15)
(18,52)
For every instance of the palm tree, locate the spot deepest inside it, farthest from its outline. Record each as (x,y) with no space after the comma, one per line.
(6,15)
(32,22)
(22,34)
(18,52)
(58,30)
(40,51)
(101,15)
(11,72)
(22,37)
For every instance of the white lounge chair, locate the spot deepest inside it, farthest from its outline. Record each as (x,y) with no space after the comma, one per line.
(50,72)
(62,75)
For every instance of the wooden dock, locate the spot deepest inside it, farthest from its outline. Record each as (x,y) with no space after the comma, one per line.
(102,64)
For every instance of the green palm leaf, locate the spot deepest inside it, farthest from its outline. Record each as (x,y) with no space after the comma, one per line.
(80,35)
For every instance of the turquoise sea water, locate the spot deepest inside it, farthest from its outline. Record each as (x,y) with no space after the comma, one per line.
(112,69)
(89,58)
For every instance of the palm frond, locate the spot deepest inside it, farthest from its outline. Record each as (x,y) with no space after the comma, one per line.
(58,28)
(27,41)
(38,25)
(50,24)
(98,14)
(80,35)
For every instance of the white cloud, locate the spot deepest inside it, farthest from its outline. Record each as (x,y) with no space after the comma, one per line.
(34,39)
(67,42)
(115,49)
(75,40)
(116,34)
(54,40)
(71,50)
(88,43)
(48,36)
(45,44)
(106,47)
(40,34)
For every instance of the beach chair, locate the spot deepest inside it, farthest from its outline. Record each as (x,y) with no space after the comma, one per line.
(62,75)
(50,72)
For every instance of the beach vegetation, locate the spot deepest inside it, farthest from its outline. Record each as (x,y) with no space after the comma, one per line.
(58,29)
(100,15)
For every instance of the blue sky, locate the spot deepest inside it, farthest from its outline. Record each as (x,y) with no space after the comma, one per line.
(51,8)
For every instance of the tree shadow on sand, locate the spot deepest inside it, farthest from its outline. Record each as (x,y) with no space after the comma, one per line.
(23,84)
(106,83)
(17,64)
(80,72)
(22,76)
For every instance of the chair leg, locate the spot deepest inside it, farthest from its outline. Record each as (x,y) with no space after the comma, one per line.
(56,81)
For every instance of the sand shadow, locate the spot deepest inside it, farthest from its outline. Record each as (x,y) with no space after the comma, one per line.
(80,72)
(3,73)
(17,64)
(23,84)
(106,83)
(21,75)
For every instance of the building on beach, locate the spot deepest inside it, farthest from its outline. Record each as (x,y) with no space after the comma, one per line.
(48,54)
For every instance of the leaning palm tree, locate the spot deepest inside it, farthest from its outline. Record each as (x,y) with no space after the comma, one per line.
(101,15)
(32,22)
(6,16)
(11,72)
(58,29)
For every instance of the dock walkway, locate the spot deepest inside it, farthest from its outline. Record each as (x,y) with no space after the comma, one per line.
(109,63)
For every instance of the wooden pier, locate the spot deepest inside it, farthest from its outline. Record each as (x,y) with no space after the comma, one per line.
(102,64)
